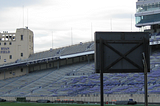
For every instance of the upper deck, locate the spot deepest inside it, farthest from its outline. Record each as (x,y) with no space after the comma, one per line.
(147,12)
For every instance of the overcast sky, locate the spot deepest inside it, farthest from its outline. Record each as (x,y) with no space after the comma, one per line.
(58,23)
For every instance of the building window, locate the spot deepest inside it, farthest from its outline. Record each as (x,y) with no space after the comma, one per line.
(10,56)
(0,57)
(4,60)
(0,43)
(21,37)
(21,69)
(4,43)
(10,72)
(13,38)
(21,54)
(30,38)
(10,43)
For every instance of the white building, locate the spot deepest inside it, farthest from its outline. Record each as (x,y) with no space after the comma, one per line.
(16,46)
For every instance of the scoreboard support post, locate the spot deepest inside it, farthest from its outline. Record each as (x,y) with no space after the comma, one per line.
(101,71)
(145,80)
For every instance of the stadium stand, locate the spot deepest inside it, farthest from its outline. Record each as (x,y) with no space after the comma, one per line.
(78,79)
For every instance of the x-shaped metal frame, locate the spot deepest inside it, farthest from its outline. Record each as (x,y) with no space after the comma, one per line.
(123,56)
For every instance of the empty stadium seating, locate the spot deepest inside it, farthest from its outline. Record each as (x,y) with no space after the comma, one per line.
(78,79)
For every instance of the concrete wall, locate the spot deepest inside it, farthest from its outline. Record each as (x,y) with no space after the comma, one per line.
(69,61)
(153,98)
(63,62)
(2,75)
(43,66)
(76,59)
(14,73)
(10,73)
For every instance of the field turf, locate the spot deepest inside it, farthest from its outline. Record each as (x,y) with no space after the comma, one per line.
(52,104)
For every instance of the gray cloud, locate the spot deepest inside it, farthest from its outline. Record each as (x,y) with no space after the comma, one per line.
(17,3)
(57,17)
(122,15)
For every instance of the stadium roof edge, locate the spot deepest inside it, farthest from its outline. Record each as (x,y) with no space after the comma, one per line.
(77,54)
(25,63)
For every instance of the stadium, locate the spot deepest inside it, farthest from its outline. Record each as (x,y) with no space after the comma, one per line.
(67,74)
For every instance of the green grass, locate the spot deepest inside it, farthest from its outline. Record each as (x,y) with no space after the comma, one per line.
(52,104)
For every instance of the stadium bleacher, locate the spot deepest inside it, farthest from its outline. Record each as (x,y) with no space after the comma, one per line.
(78,79)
